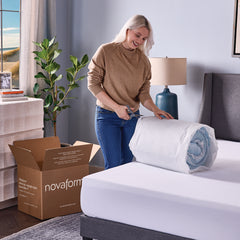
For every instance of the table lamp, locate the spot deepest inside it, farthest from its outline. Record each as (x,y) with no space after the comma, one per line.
(168,71)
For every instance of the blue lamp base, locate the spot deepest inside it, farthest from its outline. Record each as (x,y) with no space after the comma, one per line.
(167,102)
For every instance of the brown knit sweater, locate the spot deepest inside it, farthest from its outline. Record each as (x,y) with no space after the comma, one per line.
(123,74)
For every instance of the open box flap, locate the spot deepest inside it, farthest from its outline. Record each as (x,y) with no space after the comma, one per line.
(24,157)
(67,157)
(38,146)
(95,148)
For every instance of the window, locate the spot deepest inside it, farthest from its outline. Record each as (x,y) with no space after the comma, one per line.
(10,38)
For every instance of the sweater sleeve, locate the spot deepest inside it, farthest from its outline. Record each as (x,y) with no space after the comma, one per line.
(144,93)
(96,72)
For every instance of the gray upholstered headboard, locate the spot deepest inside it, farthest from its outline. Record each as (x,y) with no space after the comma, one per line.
(220,106)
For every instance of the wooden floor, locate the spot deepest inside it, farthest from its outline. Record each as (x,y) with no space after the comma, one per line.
(12,220)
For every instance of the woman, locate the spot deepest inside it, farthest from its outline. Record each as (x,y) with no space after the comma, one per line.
(119,76)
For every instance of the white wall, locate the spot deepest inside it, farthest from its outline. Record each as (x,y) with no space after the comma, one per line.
(201,31)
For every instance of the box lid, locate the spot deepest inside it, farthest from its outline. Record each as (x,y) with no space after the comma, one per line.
(24,157)
(46,153)
(67,157)
(38,146)
(95,148)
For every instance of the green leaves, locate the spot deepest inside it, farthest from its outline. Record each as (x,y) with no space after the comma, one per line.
(62,89)
(42,54)
(73,85)
(52,41)
(70,76)
(48,101)
(56,53)
(35,90)
(40,75)
(58,78)
(45,43)
(77,66)
(54,95)
(74,60)
(52,68)
(84,60)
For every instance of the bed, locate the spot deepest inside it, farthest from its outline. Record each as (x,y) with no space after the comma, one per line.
(140,202)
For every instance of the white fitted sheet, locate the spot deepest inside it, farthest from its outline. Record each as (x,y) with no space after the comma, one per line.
(204,205)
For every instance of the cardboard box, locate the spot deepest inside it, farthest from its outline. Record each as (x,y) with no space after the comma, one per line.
(49,177)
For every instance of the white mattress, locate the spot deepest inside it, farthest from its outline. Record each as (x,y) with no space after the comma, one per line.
(203,205)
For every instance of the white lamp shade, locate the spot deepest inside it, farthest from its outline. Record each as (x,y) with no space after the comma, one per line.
(168,71)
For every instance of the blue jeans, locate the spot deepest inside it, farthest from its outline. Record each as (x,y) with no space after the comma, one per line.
(114,135)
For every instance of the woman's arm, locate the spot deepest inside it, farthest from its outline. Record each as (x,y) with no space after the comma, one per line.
(120,110)
(149,104)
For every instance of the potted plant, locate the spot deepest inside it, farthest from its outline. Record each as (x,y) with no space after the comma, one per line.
(54,95)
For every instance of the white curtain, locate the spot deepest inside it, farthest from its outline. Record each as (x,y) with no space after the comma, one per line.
(38,21)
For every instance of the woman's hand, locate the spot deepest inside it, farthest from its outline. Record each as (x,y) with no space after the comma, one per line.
(149,104)
(122,112)
(161,114)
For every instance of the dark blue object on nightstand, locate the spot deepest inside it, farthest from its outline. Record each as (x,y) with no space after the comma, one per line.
(167,102)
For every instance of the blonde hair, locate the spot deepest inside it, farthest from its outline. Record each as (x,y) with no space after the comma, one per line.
(135,22)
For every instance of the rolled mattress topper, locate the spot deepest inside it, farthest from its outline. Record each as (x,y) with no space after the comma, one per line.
(174,144)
